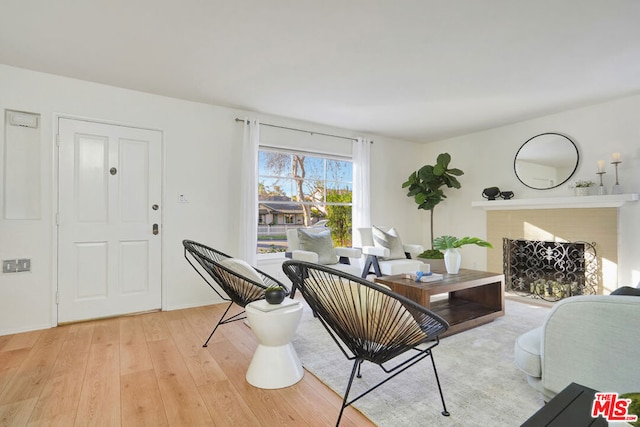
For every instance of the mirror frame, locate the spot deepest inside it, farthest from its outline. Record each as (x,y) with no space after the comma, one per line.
(575,168)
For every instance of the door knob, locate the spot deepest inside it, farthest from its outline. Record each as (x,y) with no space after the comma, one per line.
(154,207)
(155,228)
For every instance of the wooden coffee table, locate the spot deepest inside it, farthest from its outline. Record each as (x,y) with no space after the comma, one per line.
(474,297)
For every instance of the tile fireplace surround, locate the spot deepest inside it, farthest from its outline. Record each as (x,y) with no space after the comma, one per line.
(592,219)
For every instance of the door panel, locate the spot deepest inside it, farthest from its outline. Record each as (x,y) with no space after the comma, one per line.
(91,261)
(91,183)
(108,257)
(133,271)
(134,181)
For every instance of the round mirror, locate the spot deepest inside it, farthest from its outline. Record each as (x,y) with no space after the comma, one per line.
(546,161)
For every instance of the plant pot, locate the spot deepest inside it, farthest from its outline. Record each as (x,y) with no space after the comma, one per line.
(583,191)
(452,260)
(274,296)
(437,265)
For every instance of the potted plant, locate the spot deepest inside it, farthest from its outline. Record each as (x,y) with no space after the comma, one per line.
(425,185)
(583,187)
(275,294)
(450,245)
(434,258)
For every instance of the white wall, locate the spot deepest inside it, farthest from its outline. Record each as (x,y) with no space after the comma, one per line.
(202,153)
(487,160)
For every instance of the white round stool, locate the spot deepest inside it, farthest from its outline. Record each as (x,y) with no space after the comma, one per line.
(275,363)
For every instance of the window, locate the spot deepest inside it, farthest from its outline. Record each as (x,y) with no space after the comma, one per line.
(298,189)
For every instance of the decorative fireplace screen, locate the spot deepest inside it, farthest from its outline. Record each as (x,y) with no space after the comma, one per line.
(550,270)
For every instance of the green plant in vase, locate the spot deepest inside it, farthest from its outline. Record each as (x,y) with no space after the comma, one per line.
(450,245)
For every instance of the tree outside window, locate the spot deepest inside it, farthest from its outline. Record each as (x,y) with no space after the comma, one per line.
(302,189)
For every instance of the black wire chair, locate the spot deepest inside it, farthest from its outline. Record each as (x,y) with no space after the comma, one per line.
(368,322)
(236,287)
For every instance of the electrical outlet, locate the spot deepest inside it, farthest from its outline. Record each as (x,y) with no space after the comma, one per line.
(16,265)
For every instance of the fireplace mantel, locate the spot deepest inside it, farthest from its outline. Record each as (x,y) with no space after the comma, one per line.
(606,201)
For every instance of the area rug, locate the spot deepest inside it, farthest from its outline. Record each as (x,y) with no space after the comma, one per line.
(481,385)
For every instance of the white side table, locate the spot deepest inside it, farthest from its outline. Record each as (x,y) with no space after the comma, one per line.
(275,363)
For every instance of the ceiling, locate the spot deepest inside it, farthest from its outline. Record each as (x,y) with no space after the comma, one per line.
(417,70)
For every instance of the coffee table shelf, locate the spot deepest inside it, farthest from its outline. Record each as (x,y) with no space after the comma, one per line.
(474,297)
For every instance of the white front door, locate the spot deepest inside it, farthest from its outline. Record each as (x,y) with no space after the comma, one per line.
(109,240)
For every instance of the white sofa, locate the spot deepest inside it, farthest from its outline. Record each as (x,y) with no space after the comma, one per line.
(377,255)
(592,340)
(342,256)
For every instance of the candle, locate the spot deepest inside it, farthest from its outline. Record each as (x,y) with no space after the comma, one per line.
(600,165)
(616,157)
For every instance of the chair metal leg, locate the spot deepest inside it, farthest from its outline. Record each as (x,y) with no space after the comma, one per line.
(356,367)
(435,371)
(218,324)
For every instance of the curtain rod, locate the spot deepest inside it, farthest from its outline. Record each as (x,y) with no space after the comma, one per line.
(302,130)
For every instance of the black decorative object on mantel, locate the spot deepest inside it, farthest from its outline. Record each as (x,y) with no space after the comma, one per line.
(506,195)
(491,193)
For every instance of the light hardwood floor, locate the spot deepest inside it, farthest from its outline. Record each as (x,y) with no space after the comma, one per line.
(151,369)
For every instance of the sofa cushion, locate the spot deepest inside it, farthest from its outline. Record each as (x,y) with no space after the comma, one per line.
(320,243)
(242,268)
(527,352)
(390,240)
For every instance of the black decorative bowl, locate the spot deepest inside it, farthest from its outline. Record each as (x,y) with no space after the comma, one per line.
(274,296)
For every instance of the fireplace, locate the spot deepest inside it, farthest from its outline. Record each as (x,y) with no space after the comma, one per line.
(550,270)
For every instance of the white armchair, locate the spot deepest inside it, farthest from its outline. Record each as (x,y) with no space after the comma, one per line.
(317,247)
(592,340)
(386,254)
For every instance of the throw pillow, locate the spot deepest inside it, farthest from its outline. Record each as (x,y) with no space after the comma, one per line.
(390,240)
(320,243)
(242,268)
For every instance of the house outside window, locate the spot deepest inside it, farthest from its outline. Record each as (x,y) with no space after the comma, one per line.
(297,189)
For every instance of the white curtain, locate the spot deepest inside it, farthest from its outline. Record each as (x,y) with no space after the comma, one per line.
(249,192)
(361,185)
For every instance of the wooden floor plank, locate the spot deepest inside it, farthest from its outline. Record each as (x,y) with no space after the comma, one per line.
(17,413)
(23,340)
(183,404)
(226,406)
(134,352)
(100,398)
(141,401)
(33,372)
(10,362)
(154,326)
(58,402)
(202,366)
(4,339)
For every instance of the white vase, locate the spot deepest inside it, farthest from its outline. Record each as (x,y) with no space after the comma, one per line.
(452,259)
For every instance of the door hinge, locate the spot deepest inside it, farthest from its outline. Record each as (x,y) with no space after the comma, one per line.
(57,297)
(58,140)
(57,218)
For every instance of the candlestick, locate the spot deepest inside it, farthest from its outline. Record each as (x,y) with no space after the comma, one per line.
(617,188)
(601,189)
